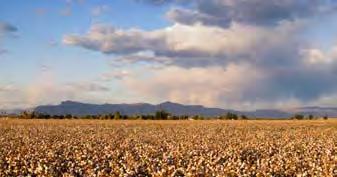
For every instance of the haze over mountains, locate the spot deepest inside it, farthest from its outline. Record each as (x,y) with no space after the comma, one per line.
(78,108)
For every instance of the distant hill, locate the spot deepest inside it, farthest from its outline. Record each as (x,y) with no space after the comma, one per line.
(268,113)
(77,108)
(316,111)
(80,109)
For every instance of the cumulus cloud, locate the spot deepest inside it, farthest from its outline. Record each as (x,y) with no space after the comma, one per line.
(187,45)
(212,86)
(111,40)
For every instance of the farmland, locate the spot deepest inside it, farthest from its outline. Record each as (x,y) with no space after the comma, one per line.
(168,148)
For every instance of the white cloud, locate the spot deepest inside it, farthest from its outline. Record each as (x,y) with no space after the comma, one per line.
(188,45)
(318,56)
(211,86)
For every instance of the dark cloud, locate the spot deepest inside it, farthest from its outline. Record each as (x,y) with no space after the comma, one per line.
(87,87)
(7,28)
(257,12)
(263,12)
(304,84)
(190,17)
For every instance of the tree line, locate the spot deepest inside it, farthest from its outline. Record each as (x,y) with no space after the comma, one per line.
(309,117)
(158,115)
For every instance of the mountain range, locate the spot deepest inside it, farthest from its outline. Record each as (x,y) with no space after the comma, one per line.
(80,109)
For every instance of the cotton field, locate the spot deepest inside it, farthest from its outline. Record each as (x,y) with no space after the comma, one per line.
(167,148)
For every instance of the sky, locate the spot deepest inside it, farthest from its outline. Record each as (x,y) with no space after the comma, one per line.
(235,54)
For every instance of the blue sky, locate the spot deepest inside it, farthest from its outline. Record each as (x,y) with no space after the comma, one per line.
(42,25)
(229,54)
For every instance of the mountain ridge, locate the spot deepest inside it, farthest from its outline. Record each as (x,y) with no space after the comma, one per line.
(79,108)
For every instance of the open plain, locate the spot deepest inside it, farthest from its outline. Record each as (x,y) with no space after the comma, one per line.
(168,148)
